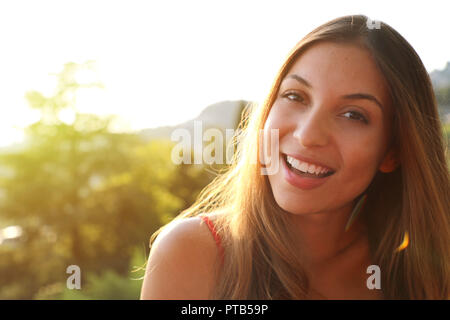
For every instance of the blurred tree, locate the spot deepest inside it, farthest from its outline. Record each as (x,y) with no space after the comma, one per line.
(84,195)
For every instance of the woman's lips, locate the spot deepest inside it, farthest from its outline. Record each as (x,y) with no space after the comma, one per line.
(299,181)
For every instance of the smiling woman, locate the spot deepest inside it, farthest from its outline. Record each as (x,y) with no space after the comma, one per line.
(363,185)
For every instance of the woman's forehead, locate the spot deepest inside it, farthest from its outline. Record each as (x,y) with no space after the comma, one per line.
(343,68)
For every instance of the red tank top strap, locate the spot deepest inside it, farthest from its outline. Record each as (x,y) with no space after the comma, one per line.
(216,236)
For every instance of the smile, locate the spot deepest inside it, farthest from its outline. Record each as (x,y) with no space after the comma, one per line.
(303,175)
(305,167)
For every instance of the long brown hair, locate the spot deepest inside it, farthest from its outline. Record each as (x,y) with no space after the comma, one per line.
(412,201)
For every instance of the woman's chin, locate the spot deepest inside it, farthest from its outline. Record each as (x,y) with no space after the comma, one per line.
(296,209)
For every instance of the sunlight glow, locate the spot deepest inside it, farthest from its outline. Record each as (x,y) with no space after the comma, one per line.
(404,243)
(11,232)
(162,66)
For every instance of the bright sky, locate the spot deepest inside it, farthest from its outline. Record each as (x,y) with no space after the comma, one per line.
(162,62)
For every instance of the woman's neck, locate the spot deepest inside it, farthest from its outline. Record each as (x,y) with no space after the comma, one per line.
(322,236)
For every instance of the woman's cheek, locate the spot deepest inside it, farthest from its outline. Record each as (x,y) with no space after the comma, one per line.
(362,160)
(278,118)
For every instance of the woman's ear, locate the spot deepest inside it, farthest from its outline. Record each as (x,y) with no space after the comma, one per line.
(390,162)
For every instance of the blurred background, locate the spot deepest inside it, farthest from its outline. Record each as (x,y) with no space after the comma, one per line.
(90,94)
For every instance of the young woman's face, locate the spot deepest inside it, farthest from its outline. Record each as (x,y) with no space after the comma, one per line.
(332,108)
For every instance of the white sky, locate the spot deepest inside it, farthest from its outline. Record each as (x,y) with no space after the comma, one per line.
(162,62)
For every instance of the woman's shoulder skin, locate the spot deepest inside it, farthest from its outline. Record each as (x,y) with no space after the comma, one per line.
(182,262)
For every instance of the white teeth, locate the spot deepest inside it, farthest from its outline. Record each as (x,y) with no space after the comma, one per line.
(317,170)
(305,167)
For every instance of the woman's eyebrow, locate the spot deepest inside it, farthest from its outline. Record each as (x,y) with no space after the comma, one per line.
(353,96)
(366,96)
(299,79)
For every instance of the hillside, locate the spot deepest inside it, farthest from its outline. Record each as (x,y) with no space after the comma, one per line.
(441,78)
(222,115)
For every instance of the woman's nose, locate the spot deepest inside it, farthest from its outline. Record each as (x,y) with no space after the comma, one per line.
(312,129)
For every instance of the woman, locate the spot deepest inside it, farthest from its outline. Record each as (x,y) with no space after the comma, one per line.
(356,102)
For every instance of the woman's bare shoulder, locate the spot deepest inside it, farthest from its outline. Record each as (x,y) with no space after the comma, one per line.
(182,262)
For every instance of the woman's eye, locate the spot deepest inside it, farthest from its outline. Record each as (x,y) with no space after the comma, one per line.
(293,96)
(357,116)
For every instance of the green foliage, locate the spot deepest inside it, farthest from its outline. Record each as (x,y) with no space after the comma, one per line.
(110,285)
(447,137)
(87,196)
(443,96)
(107,285)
